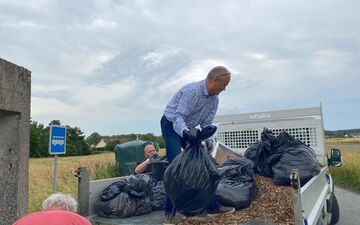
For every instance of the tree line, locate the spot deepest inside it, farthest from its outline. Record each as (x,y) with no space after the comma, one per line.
(76,143)
(39,140)
(111,141)
(342,133)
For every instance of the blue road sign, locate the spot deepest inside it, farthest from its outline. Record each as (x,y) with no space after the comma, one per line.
(57,141)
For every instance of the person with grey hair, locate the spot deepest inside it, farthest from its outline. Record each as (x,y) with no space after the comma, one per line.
(193,105)
(60,201)
(58,209)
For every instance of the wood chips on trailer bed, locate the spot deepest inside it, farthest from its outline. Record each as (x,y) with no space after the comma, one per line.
(272,204)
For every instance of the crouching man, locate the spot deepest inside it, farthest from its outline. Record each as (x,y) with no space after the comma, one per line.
(144,167)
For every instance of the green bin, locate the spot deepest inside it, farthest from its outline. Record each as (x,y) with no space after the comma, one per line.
(128,154)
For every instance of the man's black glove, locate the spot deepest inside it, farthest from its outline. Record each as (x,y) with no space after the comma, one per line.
(191,135)
(154,158)
(207,132)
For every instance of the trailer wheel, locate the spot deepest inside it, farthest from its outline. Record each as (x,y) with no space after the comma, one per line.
(335,211)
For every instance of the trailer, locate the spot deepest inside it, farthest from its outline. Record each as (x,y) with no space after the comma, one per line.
(314,202)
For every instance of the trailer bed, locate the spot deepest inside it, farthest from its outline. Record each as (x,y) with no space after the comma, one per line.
(155,217)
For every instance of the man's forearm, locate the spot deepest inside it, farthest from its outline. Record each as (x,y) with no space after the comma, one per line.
(142,167)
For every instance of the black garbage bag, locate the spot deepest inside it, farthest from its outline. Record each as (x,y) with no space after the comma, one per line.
(237,187)
(150,180)
(277,156)
(120,206)
(143,205)
(191,180)
(263,162)
(246,165)
(207,132)
(290,153)
(158,195)
(137,187)
(128,197)
(114,190)
(251,153)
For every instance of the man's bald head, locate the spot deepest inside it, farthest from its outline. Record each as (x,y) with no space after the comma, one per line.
(218,71)
(217,80)
(149,150)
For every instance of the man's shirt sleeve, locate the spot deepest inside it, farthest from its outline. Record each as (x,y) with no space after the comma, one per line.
(210,116)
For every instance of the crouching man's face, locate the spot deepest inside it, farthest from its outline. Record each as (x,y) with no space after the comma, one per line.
(149,151)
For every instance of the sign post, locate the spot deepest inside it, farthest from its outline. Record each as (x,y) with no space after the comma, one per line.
(57,145)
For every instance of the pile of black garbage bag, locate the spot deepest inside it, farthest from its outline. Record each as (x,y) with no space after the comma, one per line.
(132,195)
(275,157)
(237,187)
(191,178)
(158,194)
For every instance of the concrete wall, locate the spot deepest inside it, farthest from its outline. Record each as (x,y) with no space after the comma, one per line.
(15,91)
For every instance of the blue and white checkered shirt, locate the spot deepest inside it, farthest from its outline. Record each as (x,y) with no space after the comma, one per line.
(191,106)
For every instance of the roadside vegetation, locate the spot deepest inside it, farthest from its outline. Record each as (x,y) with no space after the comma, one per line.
(342,133)
(39,140)
(347,175)
(337,141)
(41,174)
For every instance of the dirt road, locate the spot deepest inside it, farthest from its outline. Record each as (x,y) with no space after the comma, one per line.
(349,203)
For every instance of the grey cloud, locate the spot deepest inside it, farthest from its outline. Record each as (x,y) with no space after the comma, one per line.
(130,64)
(310,49)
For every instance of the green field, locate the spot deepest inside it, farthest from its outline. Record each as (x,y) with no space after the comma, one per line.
(102,166)
(347,175)
(41,170)
(41,173)
(336,141)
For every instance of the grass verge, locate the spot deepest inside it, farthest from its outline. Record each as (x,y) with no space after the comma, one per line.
(41,175)
(347,175)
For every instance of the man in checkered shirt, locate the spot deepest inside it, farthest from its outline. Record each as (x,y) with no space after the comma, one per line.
(193,105)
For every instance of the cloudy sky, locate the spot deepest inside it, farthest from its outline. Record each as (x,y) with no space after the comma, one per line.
(112,66)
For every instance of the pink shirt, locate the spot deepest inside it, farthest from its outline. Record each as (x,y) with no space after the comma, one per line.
(52,217)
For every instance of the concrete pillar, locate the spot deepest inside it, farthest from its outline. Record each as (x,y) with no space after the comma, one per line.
(15,91)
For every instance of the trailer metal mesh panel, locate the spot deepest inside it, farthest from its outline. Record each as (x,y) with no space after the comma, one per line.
(238,139)
(304,134)
(244,138)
